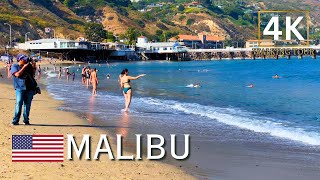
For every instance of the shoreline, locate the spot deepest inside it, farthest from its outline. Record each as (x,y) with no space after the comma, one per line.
(47,119)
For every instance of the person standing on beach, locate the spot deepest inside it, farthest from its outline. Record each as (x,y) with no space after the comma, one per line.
(83,74)
(73,75)
(60,73)
(24,85)
(127,90)
(9,69)
(67,74)
(39,71)
(94,81)
(87,75)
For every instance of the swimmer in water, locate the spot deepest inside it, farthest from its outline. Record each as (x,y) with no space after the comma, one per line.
(197,85)
(108,76)
(250,86)
(276,76)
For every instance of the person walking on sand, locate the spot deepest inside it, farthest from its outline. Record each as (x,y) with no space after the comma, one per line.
(94,81)
(24,85)
(127,90)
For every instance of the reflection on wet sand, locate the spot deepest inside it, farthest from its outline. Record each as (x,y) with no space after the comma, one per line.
(90,116)
(124,123)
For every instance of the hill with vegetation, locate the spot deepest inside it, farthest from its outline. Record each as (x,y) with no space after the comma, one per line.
(34,16)
(109,20)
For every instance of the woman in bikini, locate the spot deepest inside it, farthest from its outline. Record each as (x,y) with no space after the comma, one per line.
(127,90)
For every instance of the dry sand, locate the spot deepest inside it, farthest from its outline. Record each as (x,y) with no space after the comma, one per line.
(48,120)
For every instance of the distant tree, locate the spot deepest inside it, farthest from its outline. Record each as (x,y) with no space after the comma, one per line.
(190,22)
(69,3)
(233,11)
(181,8)
(159,32)
(95,32)
(124,3)
(228,42)
(130,35)
(206,2)
(182,17)
(110,37)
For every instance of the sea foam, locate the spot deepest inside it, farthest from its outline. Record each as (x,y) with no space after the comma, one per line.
(241,119)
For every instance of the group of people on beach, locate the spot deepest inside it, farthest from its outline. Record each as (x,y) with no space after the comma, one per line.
(89,76)
(23,74)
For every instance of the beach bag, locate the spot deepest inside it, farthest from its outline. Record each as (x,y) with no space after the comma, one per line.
(35,84)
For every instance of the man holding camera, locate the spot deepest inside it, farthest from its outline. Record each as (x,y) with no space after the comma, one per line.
(25,87)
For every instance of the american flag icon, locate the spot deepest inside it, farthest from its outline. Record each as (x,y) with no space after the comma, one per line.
(37,148)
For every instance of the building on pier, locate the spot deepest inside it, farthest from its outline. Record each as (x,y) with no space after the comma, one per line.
(53,44)
(263,43)
(160,50)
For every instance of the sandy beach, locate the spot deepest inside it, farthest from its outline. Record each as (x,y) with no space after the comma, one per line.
(46,119)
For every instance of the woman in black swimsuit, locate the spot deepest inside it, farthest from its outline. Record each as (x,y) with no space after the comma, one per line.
(87,75)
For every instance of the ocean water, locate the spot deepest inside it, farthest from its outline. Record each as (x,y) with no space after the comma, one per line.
(284,110)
